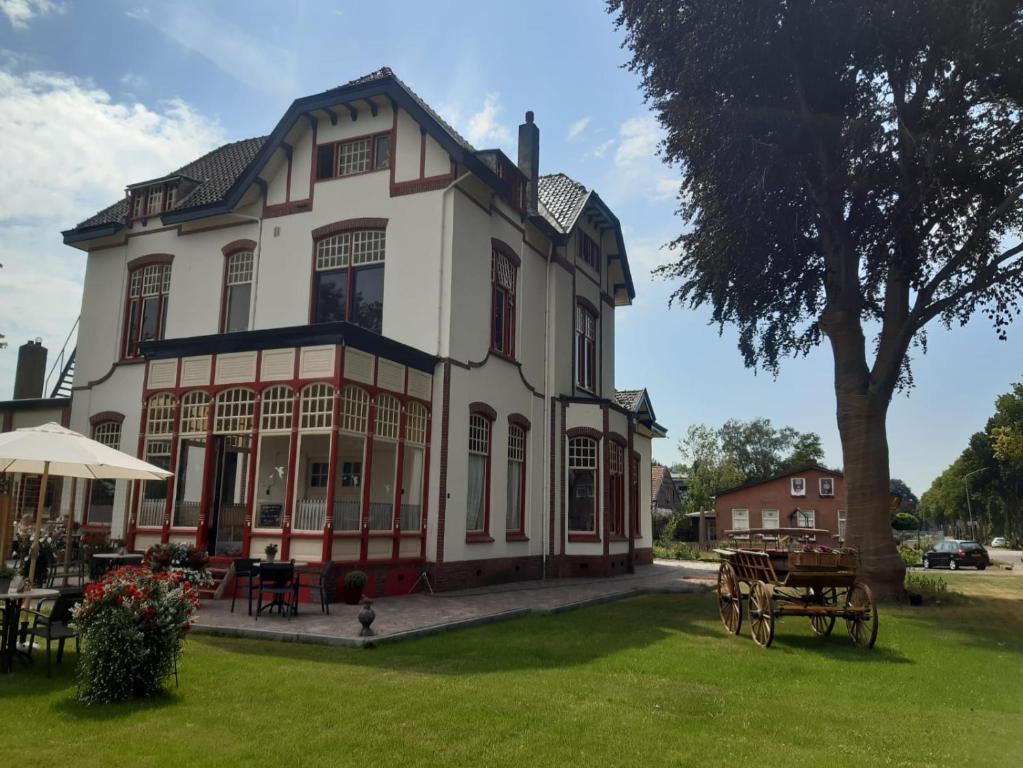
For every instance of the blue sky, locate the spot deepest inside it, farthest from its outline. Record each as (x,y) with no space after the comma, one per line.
(95,95)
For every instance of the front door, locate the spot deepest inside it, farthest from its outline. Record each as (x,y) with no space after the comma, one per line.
(225,534)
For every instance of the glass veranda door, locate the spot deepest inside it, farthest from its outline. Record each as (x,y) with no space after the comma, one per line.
(230,495)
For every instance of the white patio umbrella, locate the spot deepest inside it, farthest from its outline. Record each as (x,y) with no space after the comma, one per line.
(51,449)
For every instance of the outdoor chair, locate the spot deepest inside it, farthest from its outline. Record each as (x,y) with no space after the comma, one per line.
(323,584)
(53,626)
(245,571)
(277,580)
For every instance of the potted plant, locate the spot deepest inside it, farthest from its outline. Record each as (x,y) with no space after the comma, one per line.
(354,583)
(271,552)
(6,574)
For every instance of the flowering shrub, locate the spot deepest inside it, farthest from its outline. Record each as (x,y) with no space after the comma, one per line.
(131,625)
(190,562)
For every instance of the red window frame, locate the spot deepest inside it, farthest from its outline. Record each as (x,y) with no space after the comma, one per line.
(349,269)
(591,454)
(589,251)
(519,427)
(585,349)
(634,495)
(502,299)
(616,486)
(134,305)
(489,416)
(231,251)
(334,147)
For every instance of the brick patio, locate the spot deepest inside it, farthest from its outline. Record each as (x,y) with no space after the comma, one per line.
(401,618)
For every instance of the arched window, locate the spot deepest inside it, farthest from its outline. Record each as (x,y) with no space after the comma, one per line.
(616,479)
(502,290)
(195,411)
(582,485)
(160,415)
(146,306)
(388,411)
(413,466)
(515,515)
(277,403)
(478,506)
(101,492)
(415,424)
(235,408)
(317,407)
(349,278)
(237,291)
(354,409)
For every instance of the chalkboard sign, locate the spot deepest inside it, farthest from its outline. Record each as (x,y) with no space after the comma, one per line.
(270,515)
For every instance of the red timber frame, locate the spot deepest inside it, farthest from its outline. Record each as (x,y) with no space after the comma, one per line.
(286,535)
(503,301)
(164,259)
(517,420)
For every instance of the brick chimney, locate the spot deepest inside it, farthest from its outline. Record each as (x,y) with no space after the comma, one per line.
(529,160)
(31,371)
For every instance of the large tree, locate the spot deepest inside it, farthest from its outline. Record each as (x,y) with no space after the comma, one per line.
(851,170)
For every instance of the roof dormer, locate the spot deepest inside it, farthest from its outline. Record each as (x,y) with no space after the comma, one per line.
(156,196)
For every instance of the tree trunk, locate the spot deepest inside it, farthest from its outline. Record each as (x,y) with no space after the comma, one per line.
(863,429)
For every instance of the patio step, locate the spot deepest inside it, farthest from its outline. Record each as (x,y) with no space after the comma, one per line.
(214,592)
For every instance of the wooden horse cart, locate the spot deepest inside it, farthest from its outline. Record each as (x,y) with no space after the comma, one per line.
(784,575)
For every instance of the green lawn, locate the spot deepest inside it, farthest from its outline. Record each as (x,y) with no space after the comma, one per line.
(649,681)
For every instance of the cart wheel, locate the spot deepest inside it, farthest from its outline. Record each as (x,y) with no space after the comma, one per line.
(822,625)
(761,614)
(729,598)
(862,625)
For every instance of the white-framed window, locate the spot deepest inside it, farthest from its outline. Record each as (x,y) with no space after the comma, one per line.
(805,518)
(146,307)
(277,403)
(770,518)
(195,410)
(316,408)
(582,485)
(740,519)
(235,408)
(354,409)
(101,492)
(349,279)
(842,518)
(237,291)
(160,415)
(826,485)
(415,424)
(155,202)
(798,486)
(479,470)
(388,410)
(353,156)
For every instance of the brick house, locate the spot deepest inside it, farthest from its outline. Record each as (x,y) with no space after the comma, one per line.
(806,497)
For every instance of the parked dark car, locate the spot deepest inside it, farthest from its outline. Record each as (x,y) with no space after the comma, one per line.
(955,553)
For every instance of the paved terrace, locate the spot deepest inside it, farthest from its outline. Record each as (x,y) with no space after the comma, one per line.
(399,618)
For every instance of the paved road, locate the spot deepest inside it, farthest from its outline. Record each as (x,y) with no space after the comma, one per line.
(1007,556)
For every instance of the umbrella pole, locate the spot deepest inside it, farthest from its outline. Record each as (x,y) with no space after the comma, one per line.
(70,526)
(39,523)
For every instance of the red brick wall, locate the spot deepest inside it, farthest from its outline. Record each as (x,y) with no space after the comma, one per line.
(776,494)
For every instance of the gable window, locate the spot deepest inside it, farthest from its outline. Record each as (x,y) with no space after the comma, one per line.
(827,486)
(589,252)
(582,485)
(516,479)
(146,310)
(101,492)
(502,326)
(353,156)
(349,279)
(478,506)
(798,486)
(585,348)
(237,291)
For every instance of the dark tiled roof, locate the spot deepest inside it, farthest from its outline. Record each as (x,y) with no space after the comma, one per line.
(658,474)
(215,171)
(562,199)
(628,398)
(383,72)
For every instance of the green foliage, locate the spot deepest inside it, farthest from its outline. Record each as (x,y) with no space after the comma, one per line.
(910,556)
(131,625)
(907,500)
(930,586)
(355,579)
(903,521)
(677,550)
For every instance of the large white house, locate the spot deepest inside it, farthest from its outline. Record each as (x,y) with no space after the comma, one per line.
(366,341)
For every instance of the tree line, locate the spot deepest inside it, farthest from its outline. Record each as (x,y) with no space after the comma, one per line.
(985,483)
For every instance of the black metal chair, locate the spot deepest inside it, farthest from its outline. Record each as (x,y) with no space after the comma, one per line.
(54,625)
(245,571)
(278,581)
(323,584)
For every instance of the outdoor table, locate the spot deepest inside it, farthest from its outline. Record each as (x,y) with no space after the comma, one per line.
(300,566)
(12,614)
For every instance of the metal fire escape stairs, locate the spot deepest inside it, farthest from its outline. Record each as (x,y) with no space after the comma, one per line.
(65,364)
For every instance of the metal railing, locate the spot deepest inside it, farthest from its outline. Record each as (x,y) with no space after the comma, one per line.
(151,513)
(310,515)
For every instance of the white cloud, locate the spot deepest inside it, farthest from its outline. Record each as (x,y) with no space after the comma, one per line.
(484,129)
(640,137)
(601,149)
(70,150)
(20,12)
(578,127)
(133,81)
(638,168)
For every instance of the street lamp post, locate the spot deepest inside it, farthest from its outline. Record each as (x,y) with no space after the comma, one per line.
(969,508)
